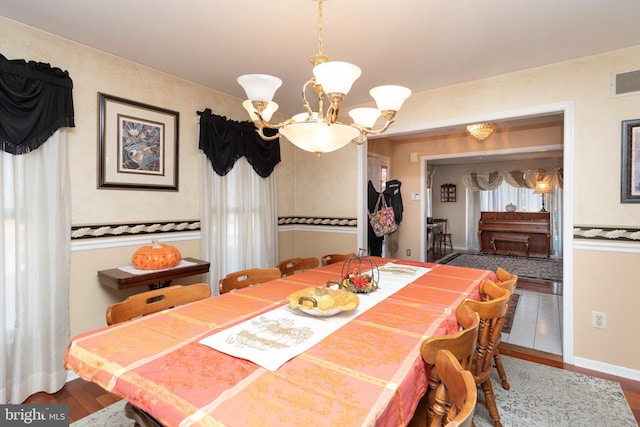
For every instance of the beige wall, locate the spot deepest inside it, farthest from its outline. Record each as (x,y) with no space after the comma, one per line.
(319,187)
(610,288)
(303,180)
(92,72)
(584,83)
(324,186)
(312,243)
(89,299)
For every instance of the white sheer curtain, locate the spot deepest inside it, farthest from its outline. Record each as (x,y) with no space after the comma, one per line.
(34,270)
(525,200)
(473,217)
(239,219)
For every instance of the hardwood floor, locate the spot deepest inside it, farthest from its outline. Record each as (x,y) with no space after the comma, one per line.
(85,398)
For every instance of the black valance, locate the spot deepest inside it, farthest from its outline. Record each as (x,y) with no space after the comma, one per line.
(224,141)
(35,101)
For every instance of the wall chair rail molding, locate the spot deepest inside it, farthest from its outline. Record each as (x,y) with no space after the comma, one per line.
(336,225)
(85,237)
(617,239)
(624,234)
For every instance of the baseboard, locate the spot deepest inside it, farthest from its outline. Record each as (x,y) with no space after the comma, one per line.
(605,368)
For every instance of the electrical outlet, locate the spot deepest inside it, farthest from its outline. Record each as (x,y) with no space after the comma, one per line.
(599,320)
(408,252)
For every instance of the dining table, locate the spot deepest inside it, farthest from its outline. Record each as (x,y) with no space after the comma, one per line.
(363,369)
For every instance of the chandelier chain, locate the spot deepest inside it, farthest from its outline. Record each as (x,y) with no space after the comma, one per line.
(320,57)
(320,27)
(316,131)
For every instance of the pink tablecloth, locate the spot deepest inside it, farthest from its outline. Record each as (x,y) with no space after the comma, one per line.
(369,372)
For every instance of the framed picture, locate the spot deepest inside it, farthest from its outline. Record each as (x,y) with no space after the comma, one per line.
(138,145)
(630,188)
(448,193)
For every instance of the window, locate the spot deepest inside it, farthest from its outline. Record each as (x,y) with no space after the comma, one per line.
(497,200)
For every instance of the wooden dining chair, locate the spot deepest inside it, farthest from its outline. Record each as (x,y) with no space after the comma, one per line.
(156,300)
(461,344)
(492,310)
(442,238)
(456,396)
(508,281)
(334,258)
(243,278)
(147,303)
(294,265)
(141,418)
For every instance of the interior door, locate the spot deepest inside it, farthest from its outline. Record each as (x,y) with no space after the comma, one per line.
(378,174)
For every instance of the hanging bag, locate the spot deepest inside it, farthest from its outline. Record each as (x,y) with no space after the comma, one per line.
(382,220)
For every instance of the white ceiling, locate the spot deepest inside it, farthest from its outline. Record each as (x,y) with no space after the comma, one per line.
(421,44)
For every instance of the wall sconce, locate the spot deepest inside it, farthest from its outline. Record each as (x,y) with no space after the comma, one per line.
(542,188)
(481,131)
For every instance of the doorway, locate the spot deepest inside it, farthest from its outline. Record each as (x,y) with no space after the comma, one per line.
(567,111)
(378,172)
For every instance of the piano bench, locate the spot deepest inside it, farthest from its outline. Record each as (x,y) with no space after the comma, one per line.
(511,238)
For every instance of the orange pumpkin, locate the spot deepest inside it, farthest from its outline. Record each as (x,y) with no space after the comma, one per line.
(156,256)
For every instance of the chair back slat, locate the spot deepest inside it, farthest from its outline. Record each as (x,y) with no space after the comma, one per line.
(492,310)
(294,265)
(508,281)
(243,278)
(461,345)
(334,258)
(155,300)
(456,396)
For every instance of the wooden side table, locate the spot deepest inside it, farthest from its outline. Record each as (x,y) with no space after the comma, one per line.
(118,279)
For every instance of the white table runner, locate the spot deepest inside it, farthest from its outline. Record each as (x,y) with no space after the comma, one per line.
(271,339)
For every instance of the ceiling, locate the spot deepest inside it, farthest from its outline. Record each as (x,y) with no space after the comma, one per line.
(421,44)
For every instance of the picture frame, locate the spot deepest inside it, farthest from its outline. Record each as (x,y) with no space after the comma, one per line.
(630,171)
(448,193)
(138,145)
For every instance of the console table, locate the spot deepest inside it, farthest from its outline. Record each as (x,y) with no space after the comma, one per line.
(515,233)
(118,279)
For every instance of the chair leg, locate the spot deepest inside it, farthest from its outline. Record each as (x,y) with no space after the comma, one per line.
(141,418)
(436,250)
(447,242)
(490,400)
(500,368)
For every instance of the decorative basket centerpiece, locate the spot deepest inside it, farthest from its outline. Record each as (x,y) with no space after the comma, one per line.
(359,274)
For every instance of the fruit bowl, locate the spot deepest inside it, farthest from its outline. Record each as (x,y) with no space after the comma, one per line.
(323,301)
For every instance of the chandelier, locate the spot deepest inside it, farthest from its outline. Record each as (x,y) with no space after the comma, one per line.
(319,131)
(481,131)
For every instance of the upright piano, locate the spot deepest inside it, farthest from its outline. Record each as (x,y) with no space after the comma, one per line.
(515,233)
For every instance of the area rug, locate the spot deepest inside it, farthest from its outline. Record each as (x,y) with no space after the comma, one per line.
(511,312)
(535,268)
(111,416)
(540,396)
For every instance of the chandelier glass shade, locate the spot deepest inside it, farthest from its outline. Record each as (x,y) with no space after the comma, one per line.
(320,131)
(481,131)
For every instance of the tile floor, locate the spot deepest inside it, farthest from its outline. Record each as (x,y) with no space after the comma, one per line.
(537,323)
